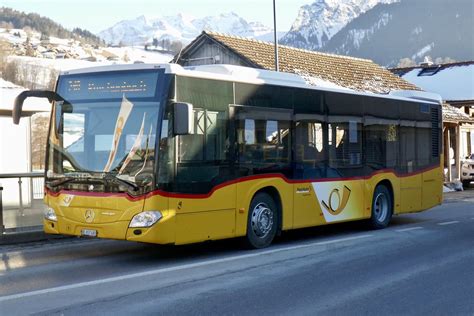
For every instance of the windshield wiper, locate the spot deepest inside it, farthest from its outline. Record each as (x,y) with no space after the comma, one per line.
(60,181)
(63,180)
(112,178)
(81,177)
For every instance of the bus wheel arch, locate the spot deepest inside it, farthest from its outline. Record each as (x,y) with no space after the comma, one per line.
(388,184)
(382,205)
(264,207)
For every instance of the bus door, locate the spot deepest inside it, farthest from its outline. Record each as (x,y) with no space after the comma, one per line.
(310,166)
(204,201)
(263,148)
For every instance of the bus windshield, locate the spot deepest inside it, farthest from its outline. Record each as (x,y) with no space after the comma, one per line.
(102,136)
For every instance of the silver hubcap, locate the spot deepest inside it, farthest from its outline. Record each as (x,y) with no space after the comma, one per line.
(262,220)
(381,207)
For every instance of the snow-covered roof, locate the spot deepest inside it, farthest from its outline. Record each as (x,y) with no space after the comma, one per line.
(8,93)
(454,81)
(453,114)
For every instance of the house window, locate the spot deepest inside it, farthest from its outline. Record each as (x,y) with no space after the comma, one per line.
(429,71)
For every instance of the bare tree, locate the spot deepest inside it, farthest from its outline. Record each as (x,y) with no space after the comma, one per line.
(176,47)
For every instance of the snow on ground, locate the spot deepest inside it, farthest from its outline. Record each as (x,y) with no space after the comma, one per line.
(447,189)
(134,55)
(7,84)
(60,41)
(9,36)
(138,53)
(8,93)
(57,64)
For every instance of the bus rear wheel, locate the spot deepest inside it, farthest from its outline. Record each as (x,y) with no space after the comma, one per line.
(262,221)
(382,208)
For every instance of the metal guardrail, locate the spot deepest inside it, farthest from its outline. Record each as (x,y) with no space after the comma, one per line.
(36,191)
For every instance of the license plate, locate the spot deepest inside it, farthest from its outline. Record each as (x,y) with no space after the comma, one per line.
(89,232)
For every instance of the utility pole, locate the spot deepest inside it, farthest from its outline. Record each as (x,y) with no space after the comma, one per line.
(277,68)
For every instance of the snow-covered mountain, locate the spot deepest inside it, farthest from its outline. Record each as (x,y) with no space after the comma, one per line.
(318,22)
(408,31)
(181,27)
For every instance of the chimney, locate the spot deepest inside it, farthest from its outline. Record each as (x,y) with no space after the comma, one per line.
(427,62)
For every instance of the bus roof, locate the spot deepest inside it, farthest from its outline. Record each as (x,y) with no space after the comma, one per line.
(257,76)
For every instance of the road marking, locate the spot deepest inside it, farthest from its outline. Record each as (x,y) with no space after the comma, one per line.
(448,223)
(172,269)
(408,229)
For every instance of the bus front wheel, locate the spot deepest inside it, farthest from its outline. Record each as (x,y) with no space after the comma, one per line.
(262,221)
(382,208)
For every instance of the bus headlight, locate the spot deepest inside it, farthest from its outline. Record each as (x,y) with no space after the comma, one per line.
(50,214)
(145,219)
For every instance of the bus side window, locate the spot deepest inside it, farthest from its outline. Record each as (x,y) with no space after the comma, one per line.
(345,149)
(309,150)
(407,148)
(263,141)
(202,156)
(380,144)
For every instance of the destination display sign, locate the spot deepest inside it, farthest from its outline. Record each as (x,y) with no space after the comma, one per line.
(110,85)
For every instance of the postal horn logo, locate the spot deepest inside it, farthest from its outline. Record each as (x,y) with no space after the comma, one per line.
(335,204)
(89,216)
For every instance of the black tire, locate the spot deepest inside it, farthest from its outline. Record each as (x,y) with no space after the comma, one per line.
(262,221)
(466,183)
(382,208)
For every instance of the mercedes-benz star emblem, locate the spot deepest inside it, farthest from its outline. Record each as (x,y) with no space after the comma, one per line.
(89,216)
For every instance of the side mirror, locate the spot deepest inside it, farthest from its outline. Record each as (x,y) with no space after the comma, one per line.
(18,103)
(183,121)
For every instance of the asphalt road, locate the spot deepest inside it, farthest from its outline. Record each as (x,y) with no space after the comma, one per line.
(422,264)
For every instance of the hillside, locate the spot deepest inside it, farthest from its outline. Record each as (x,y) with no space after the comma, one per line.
(13,19)
(409,30)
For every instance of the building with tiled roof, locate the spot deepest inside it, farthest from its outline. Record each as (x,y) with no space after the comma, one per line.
(348,72)
(452,114)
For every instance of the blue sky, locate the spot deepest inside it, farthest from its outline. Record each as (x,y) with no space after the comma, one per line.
(96,15)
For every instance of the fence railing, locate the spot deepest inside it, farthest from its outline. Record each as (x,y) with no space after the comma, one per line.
(35,188)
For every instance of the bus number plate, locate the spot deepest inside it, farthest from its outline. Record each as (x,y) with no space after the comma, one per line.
(89,232)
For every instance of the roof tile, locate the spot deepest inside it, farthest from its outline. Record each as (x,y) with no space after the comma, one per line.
(350,72)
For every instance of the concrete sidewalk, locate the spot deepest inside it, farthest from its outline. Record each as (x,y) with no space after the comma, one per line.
(23,225)
(26,219)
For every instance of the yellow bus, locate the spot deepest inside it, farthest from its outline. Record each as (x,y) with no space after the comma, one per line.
(171,155)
